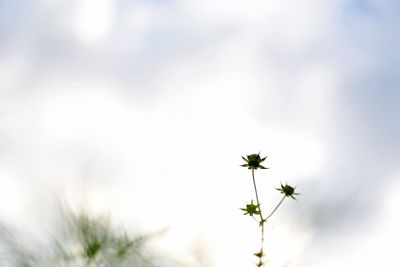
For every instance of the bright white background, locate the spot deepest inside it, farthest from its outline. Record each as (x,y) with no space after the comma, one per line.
(142,109)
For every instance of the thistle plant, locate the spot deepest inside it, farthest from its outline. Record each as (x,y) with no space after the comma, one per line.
(254,162)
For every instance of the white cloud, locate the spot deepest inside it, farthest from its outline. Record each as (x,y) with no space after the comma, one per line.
(93,19)
(150,105)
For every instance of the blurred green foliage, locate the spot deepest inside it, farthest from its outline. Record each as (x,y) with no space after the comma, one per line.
(81,241)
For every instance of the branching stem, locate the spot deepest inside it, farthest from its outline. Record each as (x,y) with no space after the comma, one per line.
(255,189)
(262,221)
(253,162)
(277,206)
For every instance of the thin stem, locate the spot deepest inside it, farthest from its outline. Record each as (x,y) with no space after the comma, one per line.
(262,243)
(255,189)
(262,221)
(277,206)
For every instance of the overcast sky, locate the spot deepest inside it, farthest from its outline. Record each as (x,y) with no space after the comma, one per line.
(142,109)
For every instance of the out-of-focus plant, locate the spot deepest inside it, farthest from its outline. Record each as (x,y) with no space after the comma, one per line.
(82,241)
(85,240)
(92,241)
(254,162)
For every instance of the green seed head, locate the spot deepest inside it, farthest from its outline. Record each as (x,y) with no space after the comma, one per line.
(253,162)
(288,191)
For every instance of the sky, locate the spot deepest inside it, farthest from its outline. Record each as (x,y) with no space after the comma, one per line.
(143,109)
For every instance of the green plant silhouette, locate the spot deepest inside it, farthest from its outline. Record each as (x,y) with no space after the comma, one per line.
(82,240)
(254,162)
